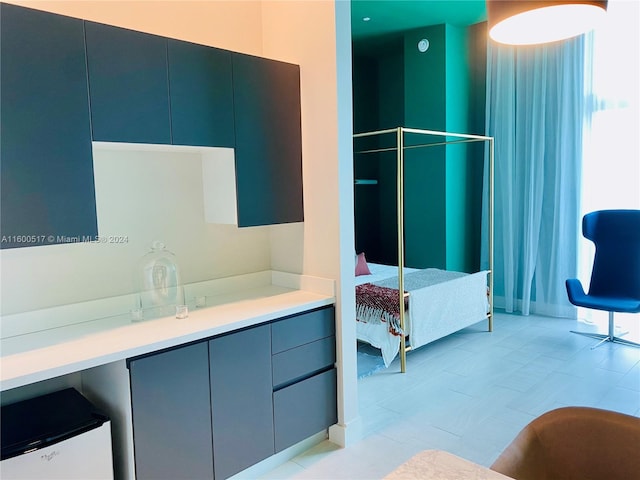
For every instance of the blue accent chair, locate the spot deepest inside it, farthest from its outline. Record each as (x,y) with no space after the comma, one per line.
(615,277)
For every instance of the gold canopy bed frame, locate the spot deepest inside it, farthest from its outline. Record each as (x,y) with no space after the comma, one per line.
(442,138)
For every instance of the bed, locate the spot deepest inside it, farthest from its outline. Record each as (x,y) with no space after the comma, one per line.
(439,302)
(433,303)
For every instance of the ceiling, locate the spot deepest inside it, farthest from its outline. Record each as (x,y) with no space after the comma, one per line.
(393,16)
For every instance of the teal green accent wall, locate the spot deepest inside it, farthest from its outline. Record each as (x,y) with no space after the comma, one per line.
(477,60)
(458,217)
(425,107)
(441,90)
(378,93)
(425,212)
(425,99)
(365,118)
(392,113)
(457,80)
(437,98)
(391,88)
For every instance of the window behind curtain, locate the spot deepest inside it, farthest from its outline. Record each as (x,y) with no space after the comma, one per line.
(611,163)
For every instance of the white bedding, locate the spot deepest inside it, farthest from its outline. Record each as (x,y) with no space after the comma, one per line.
(450,301)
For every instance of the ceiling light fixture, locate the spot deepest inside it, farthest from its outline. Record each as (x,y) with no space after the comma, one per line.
(524,22)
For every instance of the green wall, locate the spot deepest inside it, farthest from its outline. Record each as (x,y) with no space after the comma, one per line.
(425,103)
(457,168)
(425,78)
(378,92)
(391,94)
(441,90)
(477,55)
(365,118)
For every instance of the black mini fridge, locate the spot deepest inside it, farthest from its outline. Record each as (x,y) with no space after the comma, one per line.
(60,435)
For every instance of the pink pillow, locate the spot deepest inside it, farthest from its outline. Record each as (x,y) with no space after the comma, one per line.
(361,266)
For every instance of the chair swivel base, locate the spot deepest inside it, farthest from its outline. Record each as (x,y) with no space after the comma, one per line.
(607,338)
(610,337)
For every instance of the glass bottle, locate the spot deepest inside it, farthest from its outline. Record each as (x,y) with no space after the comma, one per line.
(158,282)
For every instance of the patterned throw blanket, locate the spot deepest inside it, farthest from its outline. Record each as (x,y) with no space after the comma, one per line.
(376,304)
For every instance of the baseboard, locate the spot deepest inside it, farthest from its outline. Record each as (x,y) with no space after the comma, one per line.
(346,435)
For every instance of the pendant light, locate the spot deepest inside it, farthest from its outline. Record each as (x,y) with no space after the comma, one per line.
(525,22)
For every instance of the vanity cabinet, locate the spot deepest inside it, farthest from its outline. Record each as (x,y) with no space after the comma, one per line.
(46,166)
(201,95)
(218,406)
(266,95)
(128,85)
(171,413)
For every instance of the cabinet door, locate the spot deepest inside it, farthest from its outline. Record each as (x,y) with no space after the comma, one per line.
(201,95)
(304,409)
(241,399)
(172,414)
(48,193)
(266,97)
(128,85)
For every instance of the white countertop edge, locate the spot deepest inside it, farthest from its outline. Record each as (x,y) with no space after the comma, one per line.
(145,337)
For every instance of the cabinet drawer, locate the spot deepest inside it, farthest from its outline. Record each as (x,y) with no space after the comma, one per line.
(304,409)
(301,329)
(303,361)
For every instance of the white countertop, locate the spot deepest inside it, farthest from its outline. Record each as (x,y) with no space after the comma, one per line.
(48,353)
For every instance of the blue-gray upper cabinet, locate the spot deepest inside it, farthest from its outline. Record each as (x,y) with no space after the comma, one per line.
(266,96)
(128,85)
(201,95)
(46,166)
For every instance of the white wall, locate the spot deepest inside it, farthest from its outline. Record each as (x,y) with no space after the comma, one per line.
(229,24)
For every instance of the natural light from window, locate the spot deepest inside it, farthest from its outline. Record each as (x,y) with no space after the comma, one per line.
(611,164)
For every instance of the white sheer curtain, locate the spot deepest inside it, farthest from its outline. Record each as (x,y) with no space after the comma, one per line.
(535,100)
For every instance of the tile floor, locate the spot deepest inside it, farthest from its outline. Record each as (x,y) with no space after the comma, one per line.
(472,392)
